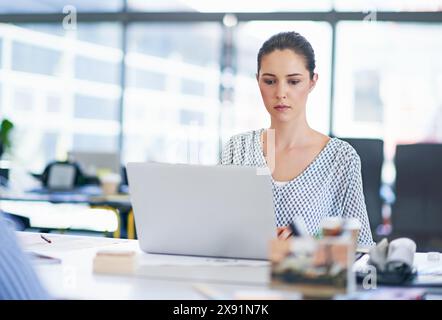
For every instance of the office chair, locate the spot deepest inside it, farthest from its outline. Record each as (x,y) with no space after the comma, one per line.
(62,175)
(417,212)
(371,152)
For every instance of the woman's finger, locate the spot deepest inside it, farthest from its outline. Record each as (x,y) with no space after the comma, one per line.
(285,234)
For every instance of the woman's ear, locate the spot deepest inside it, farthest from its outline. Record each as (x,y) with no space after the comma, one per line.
(313,82)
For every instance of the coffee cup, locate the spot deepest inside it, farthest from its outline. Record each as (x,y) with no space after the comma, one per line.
(331,226)
(110,183)
(353,226)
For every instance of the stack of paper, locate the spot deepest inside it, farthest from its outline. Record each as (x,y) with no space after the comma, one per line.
(115,261)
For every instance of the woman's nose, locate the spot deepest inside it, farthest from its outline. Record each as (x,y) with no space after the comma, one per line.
(281,92)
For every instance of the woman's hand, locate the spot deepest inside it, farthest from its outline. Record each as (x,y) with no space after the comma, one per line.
(283,233)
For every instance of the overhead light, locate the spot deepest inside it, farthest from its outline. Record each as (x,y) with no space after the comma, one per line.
(230,20)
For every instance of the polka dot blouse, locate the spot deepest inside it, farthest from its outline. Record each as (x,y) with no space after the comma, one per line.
(331,185)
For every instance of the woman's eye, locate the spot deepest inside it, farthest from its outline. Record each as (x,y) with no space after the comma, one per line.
(294,82)
(268,81)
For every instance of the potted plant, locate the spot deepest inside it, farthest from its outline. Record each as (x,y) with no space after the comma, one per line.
(6,127)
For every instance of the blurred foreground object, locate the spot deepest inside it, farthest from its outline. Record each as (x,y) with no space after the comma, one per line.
(317,268)
(393,262)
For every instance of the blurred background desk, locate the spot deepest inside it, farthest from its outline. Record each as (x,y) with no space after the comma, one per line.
(47,210)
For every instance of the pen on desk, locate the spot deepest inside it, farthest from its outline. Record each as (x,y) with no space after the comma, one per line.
(45,239)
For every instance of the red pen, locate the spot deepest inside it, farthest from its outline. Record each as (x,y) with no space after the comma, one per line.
(45,239)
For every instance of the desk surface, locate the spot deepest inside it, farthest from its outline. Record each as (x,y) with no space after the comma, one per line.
(158,277)
(88,194)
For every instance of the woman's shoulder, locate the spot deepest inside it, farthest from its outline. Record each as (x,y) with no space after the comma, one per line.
(343,145)
(245,137)
(241,148)
(344,150)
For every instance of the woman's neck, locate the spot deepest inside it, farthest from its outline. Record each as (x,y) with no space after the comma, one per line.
(292,134)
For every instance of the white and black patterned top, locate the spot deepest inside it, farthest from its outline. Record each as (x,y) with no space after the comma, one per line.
(330,186)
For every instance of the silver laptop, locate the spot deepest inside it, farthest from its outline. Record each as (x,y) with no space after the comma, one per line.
(217,211)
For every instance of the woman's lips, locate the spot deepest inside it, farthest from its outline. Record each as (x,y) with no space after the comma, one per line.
(281,107)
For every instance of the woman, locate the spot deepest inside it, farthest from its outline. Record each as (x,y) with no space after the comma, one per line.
(313,176)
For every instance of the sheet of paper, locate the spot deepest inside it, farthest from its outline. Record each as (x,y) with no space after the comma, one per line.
(33,241)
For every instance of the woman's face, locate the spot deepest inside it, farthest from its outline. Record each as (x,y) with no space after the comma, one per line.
(285,83)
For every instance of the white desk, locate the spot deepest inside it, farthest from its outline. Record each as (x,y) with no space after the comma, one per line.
(159,276)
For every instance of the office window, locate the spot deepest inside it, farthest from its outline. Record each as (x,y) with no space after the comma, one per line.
(32,58)
(53,103)
(56,6)
(388,80)
(192,87)
(52,29)
(94,142)
(191,117)
(171,104)
(49,144)
(87,107)
(247,111)
(23,100)
(391,5)
(103,34)
(96,70)
(60,86)
(229,5)
(145,79)
(195,44)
